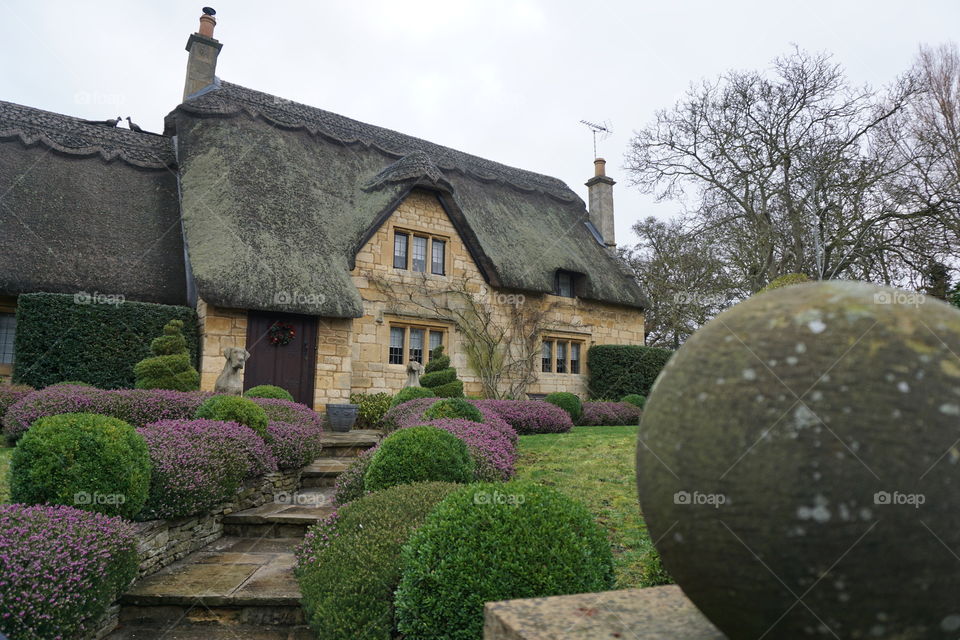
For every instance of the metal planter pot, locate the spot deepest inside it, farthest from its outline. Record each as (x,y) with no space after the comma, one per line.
(342,417)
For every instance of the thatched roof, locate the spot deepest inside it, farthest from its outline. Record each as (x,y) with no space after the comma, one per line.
(278,197)
(87,207)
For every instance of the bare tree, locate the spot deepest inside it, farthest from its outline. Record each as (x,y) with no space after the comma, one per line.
(789,171)
(684,278)
(500,332)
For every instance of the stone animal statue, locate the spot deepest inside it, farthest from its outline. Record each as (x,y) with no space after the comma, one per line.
(414,369)
(230,380)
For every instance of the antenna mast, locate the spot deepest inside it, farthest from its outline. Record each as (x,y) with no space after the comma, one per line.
(602,129)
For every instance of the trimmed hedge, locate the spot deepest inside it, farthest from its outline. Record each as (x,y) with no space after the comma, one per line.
(419,454)
(234,409)
(349,565)
(568,402)
(618,370)
(60,568)
(489,542)
(635,399)
(453,408)
(268,391)
(411,393)
(84,460)
(58,339)
(440,377)
(169,368)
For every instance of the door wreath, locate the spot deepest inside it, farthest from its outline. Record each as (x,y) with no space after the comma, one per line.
(281,333)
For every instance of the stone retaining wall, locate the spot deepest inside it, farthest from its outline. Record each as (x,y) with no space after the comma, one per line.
(162,542)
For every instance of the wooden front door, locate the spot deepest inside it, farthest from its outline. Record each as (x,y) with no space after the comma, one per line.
(291,366)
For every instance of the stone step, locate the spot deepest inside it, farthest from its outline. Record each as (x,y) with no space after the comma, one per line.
(232,584)
(186,630)
(349,444)
(288,516)
(323,472)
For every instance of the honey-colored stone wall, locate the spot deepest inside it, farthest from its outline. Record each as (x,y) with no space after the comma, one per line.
(219,328)
(568,318)
(334,375)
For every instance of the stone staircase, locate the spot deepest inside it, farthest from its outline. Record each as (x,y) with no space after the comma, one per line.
(242,585)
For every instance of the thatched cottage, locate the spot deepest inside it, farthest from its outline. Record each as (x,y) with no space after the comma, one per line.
(334,251)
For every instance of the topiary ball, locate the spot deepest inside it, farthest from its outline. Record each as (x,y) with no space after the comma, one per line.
(453,408)
(491,542)
(268,391)
(349,565)
(234,409)
(568,402)
(419,454)
(411,393)
(803,445)
(635,399)
(83,460)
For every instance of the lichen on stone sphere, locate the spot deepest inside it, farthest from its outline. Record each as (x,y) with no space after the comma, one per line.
(798,465)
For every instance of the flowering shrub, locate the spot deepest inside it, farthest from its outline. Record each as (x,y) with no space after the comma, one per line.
(530,416)
(493,451)
(371,407)
(349,484)
(279,410)
(93,462)
(197,464)
(134,406)
(406,414)
(609,414)
(9,394)
(349,565)
(294,445)
(60,568)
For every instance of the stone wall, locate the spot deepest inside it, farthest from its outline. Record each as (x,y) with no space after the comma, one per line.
(162,542)
(219,328)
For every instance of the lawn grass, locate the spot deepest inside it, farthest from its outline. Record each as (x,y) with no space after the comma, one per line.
(5,453)
(595,465)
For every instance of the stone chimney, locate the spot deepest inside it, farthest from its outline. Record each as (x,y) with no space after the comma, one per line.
(203,49)
(601,201)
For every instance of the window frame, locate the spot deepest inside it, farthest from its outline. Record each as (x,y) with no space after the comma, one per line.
(566,345)
(406,326)
(571,278)
(12,317)
(412,235)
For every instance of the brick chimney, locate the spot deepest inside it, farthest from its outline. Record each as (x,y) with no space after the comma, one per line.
(601,201)
(203,49)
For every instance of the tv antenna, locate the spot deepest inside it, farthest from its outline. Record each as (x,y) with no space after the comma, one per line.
(603,129)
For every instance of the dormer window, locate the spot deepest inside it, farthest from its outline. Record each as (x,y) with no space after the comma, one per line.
(419,252)
(564,285)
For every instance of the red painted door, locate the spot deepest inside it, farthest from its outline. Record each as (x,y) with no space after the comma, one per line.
(292,365)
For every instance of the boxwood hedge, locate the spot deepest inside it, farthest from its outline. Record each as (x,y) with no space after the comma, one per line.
(618,370)
(62,338)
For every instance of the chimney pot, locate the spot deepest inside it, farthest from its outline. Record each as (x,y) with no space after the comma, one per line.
(601,202)
(207,23)
(599,167)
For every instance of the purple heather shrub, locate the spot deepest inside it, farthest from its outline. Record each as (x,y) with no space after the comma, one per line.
(279,410)
(134,406)
(294,444)
(407,414)
(349,484)
(198,464)
(9,394)
(60,568)
(610,414)
(492,449)
(529,416)
(317,538)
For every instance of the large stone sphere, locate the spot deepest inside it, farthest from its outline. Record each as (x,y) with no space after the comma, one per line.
(799,465)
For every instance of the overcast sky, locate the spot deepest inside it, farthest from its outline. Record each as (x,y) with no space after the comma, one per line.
(508,81)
